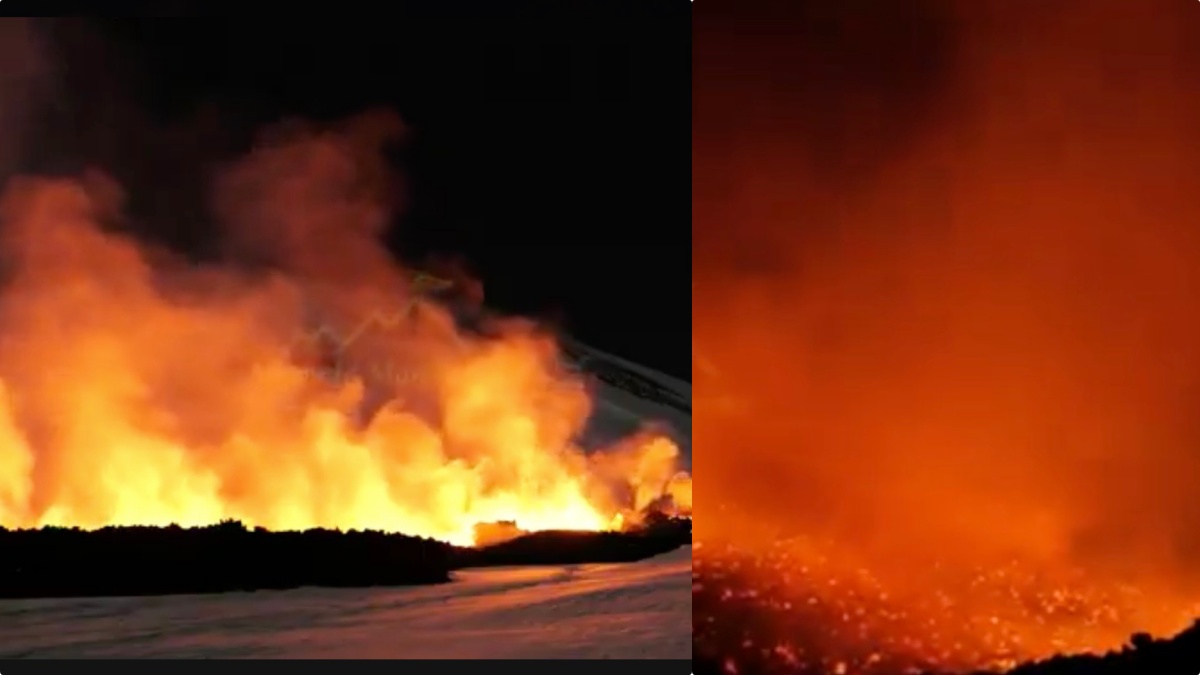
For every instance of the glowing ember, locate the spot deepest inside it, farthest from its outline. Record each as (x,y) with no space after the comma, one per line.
(801,607)
(135,389)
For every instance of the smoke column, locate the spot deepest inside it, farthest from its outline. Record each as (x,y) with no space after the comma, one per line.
(947,269)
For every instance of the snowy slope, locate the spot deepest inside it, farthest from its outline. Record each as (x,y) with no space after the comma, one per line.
(629,395)
(642,610)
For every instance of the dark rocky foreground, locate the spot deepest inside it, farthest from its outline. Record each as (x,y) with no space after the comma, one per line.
(56,562)
(577,548)
(1179,655)
(1143,655)
(128,561)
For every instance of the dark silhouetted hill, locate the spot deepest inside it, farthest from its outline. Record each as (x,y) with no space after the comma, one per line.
(576,548)
(59,562)
(131,561)
(1143,655)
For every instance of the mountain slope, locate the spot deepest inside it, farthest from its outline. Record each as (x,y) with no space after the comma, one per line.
(629,395)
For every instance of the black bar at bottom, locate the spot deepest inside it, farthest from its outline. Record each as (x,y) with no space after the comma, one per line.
(357,667)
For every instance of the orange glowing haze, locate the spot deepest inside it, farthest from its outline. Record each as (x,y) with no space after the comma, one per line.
(964,328)
(136,388)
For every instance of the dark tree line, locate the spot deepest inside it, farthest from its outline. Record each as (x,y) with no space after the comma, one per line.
(128,561)
(57,562)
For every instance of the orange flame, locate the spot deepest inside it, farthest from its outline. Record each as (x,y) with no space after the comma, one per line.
(137,389)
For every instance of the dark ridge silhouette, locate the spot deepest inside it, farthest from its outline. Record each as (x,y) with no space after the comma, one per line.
(577,548)
(123,561)
(133,561)
(1143,655)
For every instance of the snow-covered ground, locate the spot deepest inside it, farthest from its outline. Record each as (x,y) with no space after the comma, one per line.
(640,610)
(628,395)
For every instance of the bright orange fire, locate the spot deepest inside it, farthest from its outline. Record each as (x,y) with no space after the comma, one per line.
(136,388)
(948,346)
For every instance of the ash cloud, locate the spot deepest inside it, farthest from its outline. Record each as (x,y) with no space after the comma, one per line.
(985,343)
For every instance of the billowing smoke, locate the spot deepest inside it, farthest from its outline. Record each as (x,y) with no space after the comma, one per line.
(140,388)
(959,317)
(27,83)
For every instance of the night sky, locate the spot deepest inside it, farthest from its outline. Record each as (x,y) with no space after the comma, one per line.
(546,152)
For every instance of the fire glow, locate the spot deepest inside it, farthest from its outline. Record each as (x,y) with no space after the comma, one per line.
(949,386)
(139,389)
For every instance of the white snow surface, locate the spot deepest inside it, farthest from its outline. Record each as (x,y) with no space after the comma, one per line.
(618,412)
(638,610)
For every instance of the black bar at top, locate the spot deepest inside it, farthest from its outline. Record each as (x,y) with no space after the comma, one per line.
(282,9)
